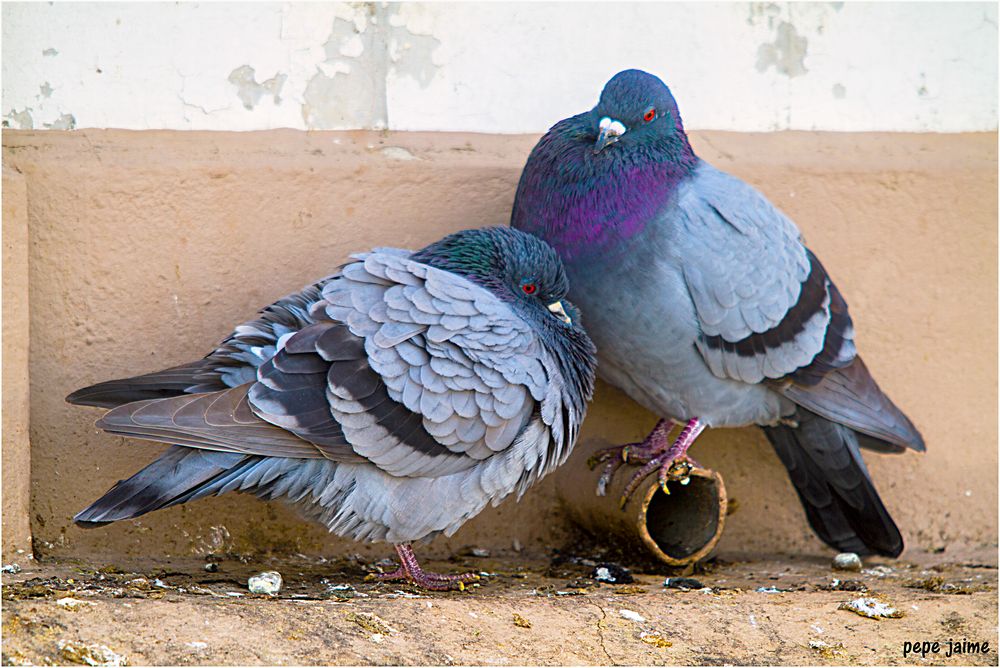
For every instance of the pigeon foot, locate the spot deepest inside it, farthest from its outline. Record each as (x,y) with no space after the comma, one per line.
(410,571)
(673,464)
(637,453)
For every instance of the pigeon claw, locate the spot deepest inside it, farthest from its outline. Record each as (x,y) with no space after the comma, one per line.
(410,571)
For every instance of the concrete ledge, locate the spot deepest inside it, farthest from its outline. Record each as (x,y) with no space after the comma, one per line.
(148,246)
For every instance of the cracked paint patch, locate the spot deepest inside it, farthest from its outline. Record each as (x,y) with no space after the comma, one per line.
(250,92)
(64,122)
(786,54)
(22,118)
(50,52)
(349,88)
(411,44)
(45,89)
(839,91)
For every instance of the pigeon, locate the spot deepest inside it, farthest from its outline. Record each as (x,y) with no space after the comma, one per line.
(390,401)
(708,309)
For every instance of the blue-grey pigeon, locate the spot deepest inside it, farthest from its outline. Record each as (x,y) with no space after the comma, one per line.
(390,401)
(708,309)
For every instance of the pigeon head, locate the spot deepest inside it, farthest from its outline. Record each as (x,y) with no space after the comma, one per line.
(527,274)
(597,179)
(637,111)
(521,269)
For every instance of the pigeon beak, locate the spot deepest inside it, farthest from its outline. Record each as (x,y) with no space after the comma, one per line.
(610,131)
(557,309)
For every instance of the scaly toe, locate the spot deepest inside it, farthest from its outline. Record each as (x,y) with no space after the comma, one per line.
(607,475)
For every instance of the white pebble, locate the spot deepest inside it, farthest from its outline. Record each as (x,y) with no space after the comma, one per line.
(634,616)
(847,561)
(268,583)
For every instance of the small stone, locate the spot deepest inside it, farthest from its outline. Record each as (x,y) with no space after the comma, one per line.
(268,583)
(769,590)
(612,573)
(521,621)
(480,552)
(847,561)
(10,568)
(211,567)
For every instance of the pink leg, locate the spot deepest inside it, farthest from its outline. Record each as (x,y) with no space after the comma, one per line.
(667,462)
(411,571)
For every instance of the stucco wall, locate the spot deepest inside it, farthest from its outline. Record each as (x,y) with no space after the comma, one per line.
(147,247)
(496,67)
(16,453)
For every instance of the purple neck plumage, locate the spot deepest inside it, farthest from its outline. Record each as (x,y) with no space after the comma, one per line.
(589,204)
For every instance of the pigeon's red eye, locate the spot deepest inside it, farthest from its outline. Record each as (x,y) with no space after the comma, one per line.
(649,115)
(529,288)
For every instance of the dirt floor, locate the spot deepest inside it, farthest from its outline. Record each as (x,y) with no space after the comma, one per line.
(776,610)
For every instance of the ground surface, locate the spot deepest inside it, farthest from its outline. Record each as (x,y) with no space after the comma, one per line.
(527,612)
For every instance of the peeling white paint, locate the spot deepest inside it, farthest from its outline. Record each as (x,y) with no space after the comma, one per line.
(495,67)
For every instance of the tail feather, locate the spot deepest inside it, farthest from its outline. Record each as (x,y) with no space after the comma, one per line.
(170,382)
(825,465)
(851,396)
(177,476)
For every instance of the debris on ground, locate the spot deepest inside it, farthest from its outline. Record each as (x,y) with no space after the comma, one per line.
(211,567)
(521,621)
(938,585)
(826,650)
(612,574)
(89,655)
(683,584)
(369,621)
(847,561)
(342,591)
(268,582)
(70,603)
(632,615)
(953,622)
(654,638)
(869,606)
(734,625)
(878,571)
(844,585)
(630,590)
(770,590)
(13,569)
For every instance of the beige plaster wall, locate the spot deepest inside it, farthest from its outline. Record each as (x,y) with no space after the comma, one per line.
(146,247)
(16,453)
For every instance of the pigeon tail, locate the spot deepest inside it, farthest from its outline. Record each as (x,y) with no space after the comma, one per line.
(180,474)
(825,466)
(170,382)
